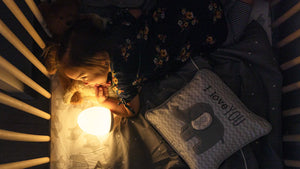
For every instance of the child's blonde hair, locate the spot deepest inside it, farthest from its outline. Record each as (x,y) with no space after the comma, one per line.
(50,57)
(85,44)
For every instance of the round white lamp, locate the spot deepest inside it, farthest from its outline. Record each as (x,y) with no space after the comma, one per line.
(95,120)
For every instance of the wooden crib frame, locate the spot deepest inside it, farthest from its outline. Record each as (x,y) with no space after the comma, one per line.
(14,71)
(285,16)
(286,35)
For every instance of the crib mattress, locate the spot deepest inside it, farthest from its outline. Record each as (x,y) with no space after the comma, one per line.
(73,148)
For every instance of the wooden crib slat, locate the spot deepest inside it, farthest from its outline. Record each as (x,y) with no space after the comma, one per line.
(25,163)
(36,12)
(12,38)
(12,6)
(287,15)
(291,87)
(291,138)
(289,38)
(15,136)
(292,163)
(290,63)
(291,112)
(274,2)
(12,102)
(22,77)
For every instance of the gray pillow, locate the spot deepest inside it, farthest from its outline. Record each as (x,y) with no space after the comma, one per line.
(205,122)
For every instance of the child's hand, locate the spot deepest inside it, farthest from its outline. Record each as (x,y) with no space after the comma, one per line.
(101,93)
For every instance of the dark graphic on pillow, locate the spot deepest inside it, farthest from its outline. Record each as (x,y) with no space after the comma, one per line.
(200,122)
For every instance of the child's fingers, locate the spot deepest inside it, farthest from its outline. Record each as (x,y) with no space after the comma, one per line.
(101,93)
(105,92)
(98,91)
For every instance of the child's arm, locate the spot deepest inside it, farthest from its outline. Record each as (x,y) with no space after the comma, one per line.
(114,104)
(120,109)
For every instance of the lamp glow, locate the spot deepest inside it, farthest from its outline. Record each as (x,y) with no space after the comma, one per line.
(95,120)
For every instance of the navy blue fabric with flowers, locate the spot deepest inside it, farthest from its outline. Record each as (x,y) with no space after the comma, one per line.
(162,40)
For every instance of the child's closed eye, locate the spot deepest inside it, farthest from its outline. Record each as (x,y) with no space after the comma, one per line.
(83,78)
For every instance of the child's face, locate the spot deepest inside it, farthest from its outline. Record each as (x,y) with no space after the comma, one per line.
(90,76)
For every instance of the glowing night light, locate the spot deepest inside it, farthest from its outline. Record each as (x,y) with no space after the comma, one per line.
(95,120)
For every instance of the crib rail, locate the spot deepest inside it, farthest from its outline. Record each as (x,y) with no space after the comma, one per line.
(286,24)
(291,112)
(15,136)
(12,103)
(291,87)
(289,38)
(23,20)
(12,38)
(292,163)
(21,76)
(286,15)
(290,64)
(25,163)
(31,4)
